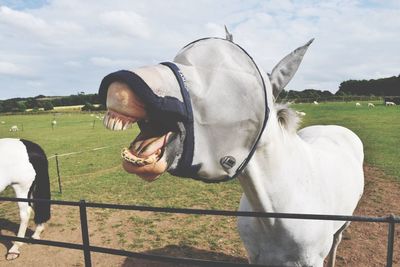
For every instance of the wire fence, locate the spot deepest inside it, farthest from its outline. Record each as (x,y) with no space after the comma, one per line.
(390,220)
(58,156)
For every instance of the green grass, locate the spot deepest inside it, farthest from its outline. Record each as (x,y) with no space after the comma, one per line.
(378,128)
(97,176)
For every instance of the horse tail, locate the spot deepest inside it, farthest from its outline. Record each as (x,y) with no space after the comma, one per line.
(40,188)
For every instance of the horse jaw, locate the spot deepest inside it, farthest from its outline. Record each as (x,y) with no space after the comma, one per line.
(125,108)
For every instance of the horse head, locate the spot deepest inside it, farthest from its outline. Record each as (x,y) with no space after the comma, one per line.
(200,116)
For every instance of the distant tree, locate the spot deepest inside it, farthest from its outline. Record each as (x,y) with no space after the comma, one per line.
(88,107)
(20,107)
(47,105)
(379,87)
(31,103)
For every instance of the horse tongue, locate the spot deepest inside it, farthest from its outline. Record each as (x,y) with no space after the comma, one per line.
(148,147)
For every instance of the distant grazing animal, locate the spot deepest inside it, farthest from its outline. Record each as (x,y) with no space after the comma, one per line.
(316,103)
(24,166)
(185,130)
(301,113)
(54,123)
(370,105)
(358,104)
(14,128)
(388,103)
(3,122)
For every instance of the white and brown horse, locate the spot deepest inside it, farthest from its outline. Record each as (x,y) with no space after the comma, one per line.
(24,166)
(211,115)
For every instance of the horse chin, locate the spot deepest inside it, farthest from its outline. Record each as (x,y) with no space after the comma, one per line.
(150,172)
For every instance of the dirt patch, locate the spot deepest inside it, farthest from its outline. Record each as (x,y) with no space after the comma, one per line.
(364,244)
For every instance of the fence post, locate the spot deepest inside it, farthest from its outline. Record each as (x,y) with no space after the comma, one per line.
(389,256)
(58,174)
(85,233)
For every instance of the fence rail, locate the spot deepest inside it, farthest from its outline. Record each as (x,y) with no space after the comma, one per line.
(391,220)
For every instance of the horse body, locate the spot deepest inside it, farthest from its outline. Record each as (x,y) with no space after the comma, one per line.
(311,172)
(23,165)
(317,170)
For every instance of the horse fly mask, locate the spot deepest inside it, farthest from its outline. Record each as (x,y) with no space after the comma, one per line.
(214,95)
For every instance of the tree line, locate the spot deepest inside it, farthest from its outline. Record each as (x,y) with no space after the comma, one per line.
(375,87)
(48,103)
(379,87)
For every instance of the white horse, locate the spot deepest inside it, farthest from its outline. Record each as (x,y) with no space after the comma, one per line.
(371,105)
(316,103)
(389,103)
(24,166)
(315,170)
(14,128)
(358,104)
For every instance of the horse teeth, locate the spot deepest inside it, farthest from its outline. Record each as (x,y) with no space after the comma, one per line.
(120,125)
(136,145)
(109,122)
(126,125)
(126,155)
(117,125)
(105,120)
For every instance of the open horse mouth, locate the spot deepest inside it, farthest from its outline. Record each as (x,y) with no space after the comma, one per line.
(146,155)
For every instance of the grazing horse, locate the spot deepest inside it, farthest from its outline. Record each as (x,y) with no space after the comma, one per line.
(24,166)
(211,115)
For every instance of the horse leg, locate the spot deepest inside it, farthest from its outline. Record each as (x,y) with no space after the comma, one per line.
(39,229)
(24,213)
(337,237)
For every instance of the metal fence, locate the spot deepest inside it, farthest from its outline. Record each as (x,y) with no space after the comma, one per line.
(391,220)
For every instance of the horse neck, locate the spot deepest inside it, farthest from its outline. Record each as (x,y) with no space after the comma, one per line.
(269,174)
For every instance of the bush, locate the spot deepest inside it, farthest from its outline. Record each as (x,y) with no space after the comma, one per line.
(88,107)
(48,105)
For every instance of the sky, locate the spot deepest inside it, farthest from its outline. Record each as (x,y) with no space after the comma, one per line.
(63,47)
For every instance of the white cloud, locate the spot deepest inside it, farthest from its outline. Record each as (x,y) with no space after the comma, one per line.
(69,45)
(21,20)
(128,23)
(8,68)
(115,63)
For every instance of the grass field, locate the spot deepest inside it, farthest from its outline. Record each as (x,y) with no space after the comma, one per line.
(96,175)
(378,128)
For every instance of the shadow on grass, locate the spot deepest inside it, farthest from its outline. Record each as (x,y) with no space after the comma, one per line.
(183,252)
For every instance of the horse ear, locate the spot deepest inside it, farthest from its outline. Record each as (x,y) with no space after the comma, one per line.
(228,35)
(284,71)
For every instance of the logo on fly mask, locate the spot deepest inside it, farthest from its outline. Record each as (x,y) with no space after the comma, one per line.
(227,162)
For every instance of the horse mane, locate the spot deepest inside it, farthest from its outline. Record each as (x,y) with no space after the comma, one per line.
(287,117)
